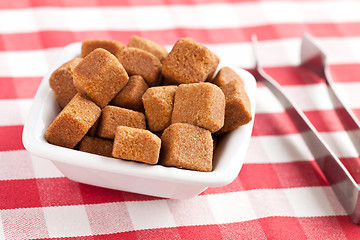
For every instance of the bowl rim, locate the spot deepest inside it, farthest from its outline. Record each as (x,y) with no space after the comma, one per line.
(36,144)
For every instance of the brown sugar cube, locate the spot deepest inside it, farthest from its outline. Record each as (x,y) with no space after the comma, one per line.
(93,130)
(136,145)
(130,96)
(187,146)
(200,104)
(189,62)
(61,82)
(73,122)
(226,75)
(97,146)
(146,44)
(143,63)
(237,106)
(112,117)
(89,45)
(100,76)
(158,104)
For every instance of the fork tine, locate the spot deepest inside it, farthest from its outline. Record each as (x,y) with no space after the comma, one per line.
(255,50)
(259,71)
(314,59)
(312,56)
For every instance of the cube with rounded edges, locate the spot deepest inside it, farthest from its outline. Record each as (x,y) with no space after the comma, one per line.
(226,75)
(200,104)
(139,62)
(189,62)
(93,130)
(96,145)
(237,106)
(187,146)
(130,96)
(136,144)
(89,45)
(150,46)
(100,76)
(158,104)
(112,117)
(73,122)
(61,82)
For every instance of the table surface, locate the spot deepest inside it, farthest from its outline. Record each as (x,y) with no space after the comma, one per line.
(279,193)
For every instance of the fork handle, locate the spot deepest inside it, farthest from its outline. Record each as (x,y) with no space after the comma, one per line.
(342,183)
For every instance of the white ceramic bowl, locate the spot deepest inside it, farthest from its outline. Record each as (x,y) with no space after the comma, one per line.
(155,180)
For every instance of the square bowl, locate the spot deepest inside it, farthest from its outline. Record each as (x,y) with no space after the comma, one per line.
(154,180)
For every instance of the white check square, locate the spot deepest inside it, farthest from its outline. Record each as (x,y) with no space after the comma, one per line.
(231,207)
(193,211)
(150,214)
(309,201)
(67,221)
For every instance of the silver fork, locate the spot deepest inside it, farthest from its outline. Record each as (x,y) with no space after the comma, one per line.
(340,180)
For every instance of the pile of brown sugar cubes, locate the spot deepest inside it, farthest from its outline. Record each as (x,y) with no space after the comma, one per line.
(145,104)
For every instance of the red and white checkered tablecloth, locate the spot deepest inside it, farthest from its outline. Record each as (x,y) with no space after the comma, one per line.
(280,192)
